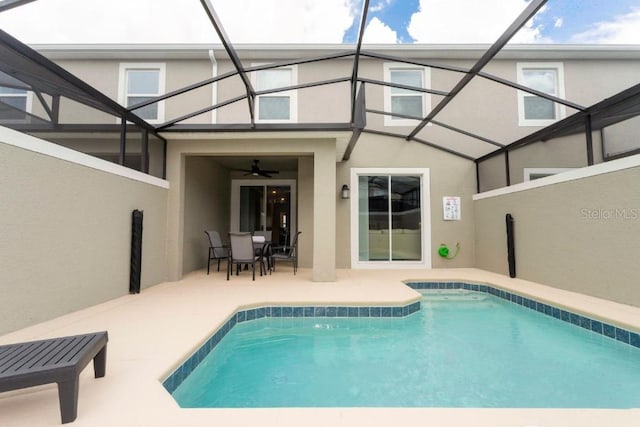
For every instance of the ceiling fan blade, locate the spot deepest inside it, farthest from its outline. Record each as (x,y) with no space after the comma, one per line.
(256,171)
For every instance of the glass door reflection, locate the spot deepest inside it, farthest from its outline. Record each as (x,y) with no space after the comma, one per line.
(389,212)
(266,208)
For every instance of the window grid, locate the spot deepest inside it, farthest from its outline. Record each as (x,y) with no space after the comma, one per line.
(278,107)
(141,82)
(135,97)
(544,77)
(405,101)
(399,97)
(16,98)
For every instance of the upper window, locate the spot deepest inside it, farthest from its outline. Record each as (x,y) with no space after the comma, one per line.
(544,77)
(405,103)
(19,99)
(276,107)
(139,83)
(536,173)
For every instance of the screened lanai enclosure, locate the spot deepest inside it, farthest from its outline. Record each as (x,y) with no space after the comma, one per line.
(45,99)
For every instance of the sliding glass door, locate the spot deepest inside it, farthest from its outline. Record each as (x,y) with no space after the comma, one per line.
(390,217)
(251,212)
(264,206)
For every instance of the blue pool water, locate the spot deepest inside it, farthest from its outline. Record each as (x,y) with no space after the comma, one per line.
(462,349)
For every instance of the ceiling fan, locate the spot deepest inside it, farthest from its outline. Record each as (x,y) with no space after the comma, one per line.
(256,171)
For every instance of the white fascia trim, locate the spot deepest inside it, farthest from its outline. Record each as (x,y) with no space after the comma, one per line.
(426,218)
(40,146)
(292,94)
(122,84)
(572,175)
(153,51)
(426,98)
(561,110)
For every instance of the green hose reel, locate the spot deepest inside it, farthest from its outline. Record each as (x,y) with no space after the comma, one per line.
(445,252)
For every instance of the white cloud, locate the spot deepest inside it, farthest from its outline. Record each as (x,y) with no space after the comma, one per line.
(381,5)
(379,32)
(623,29)
(470,21)
(116,21)
(286,21)
(173,21)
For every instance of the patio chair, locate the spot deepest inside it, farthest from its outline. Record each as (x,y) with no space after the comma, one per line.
(286,253)
(216,249)
(265,249)
(242,252)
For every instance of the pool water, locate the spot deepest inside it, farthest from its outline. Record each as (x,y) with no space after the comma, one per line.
(462,349)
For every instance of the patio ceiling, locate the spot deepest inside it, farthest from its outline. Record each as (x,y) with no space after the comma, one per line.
(22,66)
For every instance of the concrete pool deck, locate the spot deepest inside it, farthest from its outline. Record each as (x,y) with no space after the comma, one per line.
(151,333)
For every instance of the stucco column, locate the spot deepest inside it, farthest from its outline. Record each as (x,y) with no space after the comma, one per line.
(175,211)
(305,211)
(324,216)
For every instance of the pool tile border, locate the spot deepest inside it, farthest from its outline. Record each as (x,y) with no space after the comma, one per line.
(619,334)
(173,381)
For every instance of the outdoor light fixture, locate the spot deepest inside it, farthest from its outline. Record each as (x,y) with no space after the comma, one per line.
(345,192)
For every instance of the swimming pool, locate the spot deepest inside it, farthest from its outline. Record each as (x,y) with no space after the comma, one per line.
(462,349)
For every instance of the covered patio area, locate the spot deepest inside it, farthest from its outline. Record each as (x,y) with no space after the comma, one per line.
(200,195)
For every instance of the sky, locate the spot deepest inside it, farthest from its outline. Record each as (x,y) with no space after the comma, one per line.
(321,21)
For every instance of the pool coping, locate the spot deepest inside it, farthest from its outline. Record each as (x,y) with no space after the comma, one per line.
(184,369)
(176,376)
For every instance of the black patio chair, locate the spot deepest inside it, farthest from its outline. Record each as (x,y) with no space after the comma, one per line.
(216,249)
(286,253)
(265,249)
(242,252)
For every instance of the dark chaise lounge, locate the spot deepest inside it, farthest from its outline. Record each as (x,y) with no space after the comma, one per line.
(56,360)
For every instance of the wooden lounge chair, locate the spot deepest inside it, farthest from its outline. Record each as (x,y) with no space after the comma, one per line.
(56,360)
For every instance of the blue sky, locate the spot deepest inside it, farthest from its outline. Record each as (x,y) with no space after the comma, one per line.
(321,21)
(560,21)
(396,14)
(580,16)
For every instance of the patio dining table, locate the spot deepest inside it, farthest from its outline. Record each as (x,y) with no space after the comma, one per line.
(261,247)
